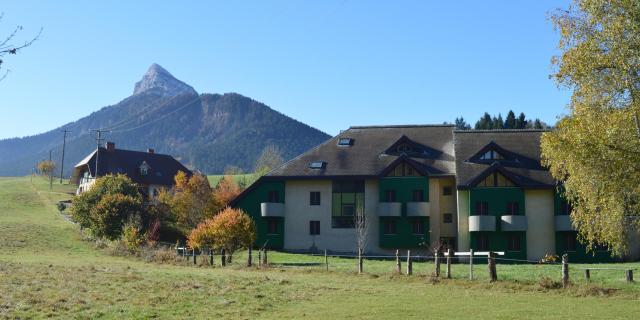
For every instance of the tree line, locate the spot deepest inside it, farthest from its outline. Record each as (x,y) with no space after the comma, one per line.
(489,122)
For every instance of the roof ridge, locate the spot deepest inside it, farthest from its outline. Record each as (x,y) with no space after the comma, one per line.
(500,130)
(401,126)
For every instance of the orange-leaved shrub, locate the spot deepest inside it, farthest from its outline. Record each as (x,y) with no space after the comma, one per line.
(231,230)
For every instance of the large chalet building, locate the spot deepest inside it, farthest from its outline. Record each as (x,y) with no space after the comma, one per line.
(151,171)
(417,185)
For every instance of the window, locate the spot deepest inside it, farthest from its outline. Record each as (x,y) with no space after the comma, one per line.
(417,226)
(482,208)
(417,195)
(565,208)
(143,171)
(447,191)
(389,226)
(347,200)
(513,208)
(390,196)
(496,179)
(272,226)
(404,148)
(314,227)
(317,165)
(482,242)
(314,198)
(273,196)
(513,242)
(447,218)
(345,142)
(403,170)
(570,241)
(448,243)
(491,155)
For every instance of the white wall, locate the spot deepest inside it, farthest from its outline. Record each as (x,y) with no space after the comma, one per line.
(540,223)
(298,213)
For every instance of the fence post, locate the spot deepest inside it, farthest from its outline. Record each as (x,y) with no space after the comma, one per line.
(326,260)
(629,275)
(398,263)
(449,254)
(437,261)
(360,261)
(264,256)
(565,270)
(260,257)
(250,257)
(470,264)
(587,274)
(223,257)
(409,263)
(210,257)
(493,276)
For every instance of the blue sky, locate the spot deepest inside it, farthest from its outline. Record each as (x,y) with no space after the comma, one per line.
(330,64)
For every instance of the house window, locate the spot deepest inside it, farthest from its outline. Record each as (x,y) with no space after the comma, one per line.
(565,208)
(447,191)
(347,201)
(389,226)
(314,228)
(143,171)
(345,142)
(404,148)
(491,155)
(417,226)
(272,226)
(273,196)
(317,165)
(570,241)
(417,195)
(482,208)
(482,242)
(403,170)
(447,218)
(513,208)
(390,196)
(314,198)
(496,179)
(513,242)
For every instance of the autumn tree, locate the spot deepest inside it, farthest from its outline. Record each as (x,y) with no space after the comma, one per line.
(269,159)
(192,201)
(8,45)
(594,150)
(226,190)
(46,167)
(231,230)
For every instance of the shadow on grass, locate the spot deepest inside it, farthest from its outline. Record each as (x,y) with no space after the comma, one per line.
(296,264)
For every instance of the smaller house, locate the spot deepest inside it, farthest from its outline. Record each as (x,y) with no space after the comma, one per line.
(151,171)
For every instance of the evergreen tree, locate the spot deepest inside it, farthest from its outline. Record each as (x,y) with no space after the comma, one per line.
(510,121)
(498,123)
(461,124)
(484,123)
(521,122)
(537,124)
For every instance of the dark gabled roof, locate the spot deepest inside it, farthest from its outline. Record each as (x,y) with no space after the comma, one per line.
(369,157)
(520,148)
(162,167)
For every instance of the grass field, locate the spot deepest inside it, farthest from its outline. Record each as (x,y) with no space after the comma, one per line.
(48,270)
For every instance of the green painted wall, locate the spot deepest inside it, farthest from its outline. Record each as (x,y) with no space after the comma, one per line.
(557,202)
(580,255)
(498,242)
(404,237)
(497,199)
(251,205)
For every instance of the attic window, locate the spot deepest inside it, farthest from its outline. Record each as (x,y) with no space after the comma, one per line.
(143,171)
(404,148)
(345,142)
(491,155)
(317,165)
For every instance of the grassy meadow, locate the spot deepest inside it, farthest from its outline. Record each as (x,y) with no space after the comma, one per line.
(47,270)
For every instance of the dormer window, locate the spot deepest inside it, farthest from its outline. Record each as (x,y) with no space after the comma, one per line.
(317,165)
(345,142)
(491,155)
(144,169)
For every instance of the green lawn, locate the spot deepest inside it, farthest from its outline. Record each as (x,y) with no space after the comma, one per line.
(48,270)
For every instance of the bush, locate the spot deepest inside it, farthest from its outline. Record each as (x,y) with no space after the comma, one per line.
(132,234)
(231,229)
(61,207)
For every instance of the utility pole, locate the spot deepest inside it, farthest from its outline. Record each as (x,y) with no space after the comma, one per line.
(50,173)
(64,144)
(98,141)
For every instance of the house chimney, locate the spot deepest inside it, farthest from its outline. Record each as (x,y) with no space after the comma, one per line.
(151,150)
(110,146)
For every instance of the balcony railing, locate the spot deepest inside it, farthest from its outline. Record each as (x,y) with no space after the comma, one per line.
(482,223)
(272,209)
(513,223)
(389,209)
(563,223)
(418,209)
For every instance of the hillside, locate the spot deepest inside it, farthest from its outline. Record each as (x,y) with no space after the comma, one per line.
(205,131)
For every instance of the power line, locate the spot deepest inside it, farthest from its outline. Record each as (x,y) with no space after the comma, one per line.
(159,118)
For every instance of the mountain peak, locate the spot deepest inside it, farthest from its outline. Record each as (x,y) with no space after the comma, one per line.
(162,82)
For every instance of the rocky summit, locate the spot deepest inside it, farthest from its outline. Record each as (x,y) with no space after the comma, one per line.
(161,82)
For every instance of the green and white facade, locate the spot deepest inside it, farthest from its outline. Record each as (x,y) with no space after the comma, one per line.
(417,186)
